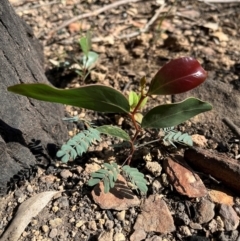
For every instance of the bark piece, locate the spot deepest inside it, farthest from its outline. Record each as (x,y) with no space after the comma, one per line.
(23,119)
(185,180)
(219,166)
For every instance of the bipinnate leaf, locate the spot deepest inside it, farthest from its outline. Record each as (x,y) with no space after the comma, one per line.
(173,114)
(114,131)
(93,97)
(136,178)
(177,76)
(108,175)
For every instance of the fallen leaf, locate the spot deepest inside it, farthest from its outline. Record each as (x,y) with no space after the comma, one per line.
(26,211)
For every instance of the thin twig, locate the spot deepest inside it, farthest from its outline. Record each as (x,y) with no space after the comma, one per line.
(91,14)
(146,27)
(232,126)
(220,1)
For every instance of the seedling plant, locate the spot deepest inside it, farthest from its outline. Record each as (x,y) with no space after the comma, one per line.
(175,77)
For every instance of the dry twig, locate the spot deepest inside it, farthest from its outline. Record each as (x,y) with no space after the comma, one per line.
(91,14)
(146,27)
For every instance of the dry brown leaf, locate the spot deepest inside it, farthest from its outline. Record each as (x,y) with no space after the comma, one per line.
(27,210)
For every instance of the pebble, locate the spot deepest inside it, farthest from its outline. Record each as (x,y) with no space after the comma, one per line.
(229,217)
(119,237)
(92,225)
(29,188)
(109,224)
(185,231)
(65,174)
(55,222)
(45,228)
(121,215)
(154,168)
(106,236)
(204,211)
(53,233)
(80,223)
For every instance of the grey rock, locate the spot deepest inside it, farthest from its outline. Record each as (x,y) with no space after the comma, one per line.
(229,217)
(204,211)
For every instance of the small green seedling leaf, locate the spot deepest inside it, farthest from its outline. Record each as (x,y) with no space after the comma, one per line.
(93,97)
(114,131)
(90,60)
(133,99)
(85,43)
(93,182)
(173,114)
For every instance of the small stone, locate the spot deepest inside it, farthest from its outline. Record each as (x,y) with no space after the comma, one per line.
(109,224)
(199,140)
(154,168)
(121,215)
(138,234)
(80,223)
(92,167)
(155,216)
(196,226)
(185,181)
(220,197)
(229,217)
(106,236)
(65,174)
(213,226)
(119,237)
(45,228)
(29,188)
(157,186)
(204,211)
(55,209)
(220,223)
(55,222)
(154,238)
(92,225)
(119,198)
(185,231)
(53,233)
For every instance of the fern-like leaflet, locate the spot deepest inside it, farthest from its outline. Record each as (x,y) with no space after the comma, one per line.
(108,175)
(79,144)
(172,136)
(136,178)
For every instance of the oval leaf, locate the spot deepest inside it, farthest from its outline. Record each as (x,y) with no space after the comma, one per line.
(173,114)
(177,76)
(93,97)
(114,131)
(90,60)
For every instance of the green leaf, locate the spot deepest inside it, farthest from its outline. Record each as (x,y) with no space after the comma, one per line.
(106,185)
(173,114)
(97,175)
(90,60)
(93,97)
(143,102)
(114,131)
(133,99)
(93,181)
(85,43)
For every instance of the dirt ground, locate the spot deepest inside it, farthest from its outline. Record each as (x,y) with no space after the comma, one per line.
(134,40)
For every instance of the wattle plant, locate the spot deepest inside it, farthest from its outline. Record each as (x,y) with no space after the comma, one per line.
(177,76)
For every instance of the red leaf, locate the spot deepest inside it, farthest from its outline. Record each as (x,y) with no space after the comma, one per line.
(177,76)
